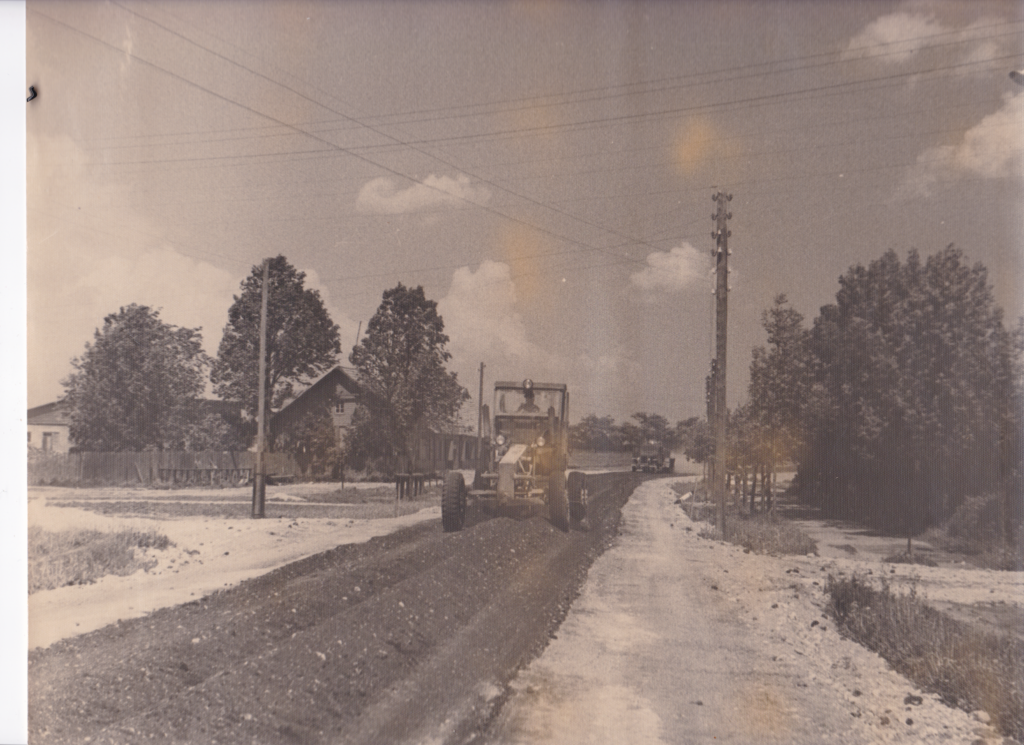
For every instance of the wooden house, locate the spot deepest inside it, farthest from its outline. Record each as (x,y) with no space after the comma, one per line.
(335,391)
(49,428)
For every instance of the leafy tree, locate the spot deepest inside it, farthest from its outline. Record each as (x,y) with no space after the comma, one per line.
(595,434)
(314,444)
(133,385)
(913,376)
(779,381)
(400,364)
(302,341)
(696,439)
(649,427)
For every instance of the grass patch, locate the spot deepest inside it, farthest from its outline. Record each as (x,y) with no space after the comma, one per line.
(78,557)
(968,668)
(763,534)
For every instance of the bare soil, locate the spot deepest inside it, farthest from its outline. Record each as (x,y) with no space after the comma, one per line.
(409,637)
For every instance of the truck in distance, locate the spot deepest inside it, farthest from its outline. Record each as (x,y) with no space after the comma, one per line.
(653,457)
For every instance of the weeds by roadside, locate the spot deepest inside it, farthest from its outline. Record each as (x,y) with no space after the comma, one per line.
(966,667)
(762,533)
(77,557)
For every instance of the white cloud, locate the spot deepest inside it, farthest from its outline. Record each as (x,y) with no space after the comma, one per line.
(347,328)
(897,38)
(480,316)
(894,38)
(381,196)
(993,148)
(672,271)
(86,263)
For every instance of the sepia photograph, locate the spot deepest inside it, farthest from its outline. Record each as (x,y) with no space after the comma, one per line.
(540,371)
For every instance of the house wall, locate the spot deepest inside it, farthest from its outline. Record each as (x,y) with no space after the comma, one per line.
(54,438)
(339,401)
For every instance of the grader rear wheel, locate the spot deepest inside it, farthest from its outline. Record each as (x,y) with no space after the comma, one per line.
(576,488)
(453,502)
(558,504)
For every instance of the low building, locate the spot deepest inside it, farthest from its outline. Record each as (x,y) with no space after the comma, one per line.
(49,428)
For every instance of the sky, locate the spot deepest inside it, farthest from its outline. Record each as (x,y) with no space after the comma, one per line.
(545,170)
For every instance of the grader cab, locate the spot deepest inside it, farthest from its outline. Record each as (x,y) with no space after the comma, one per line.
(525,468)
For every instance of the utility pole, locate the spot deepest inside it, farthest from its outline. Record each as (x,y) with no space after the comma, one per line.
(720,235)
(259,484)
(709,400)
(480,423)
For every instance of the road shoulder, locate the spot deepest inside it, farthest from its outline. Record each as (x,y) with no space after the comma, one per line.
(675,638)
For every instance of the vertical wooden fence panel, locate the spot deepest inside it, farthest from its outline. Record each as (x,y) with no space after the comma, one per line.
(133,469)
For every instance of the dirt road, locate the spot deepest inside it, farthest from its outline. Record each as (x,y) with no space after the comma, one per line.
(422,637)
(411,637)
(677,639)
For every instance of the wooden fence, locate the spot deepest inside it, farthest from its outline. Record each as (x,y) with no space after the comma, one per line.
(168,466)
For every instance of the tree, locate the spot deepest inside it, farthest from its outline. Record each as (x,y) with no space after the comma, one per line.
(133,386)
(649,427)
(400,364)
(302,341)
(595,434)
(314,444)
(696,438)
(913,376)
(778,386)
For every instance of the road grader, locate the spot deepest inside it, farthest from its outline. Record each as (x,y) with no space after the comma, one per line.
(524,469)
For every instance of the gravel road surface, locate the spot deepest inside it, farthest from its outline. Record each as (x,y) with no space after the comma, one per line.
(410,637)
(677,639)
(645,634)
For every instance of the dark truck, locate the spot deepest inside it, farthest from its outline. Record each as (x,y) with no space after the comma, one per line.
(653,457)
(525,467)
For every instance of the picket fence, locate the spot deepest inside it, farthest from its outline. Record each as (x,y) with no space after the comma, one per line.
(152,468)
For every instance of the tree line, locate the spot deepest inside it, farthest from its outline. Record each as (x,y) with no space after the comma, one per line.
(139,384)
(900,401)
(601,434)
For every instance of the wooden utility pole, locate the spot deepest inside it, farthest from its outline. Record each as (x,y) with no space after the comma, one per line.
(480,423)
(259,484)
(721,253)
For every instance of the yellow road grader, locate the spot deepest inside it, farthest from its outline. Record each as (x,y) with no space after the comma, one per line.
(525,468)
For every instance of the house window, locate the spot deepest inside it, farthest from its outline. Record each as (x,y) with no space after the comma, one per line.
(48,438)
(339,407)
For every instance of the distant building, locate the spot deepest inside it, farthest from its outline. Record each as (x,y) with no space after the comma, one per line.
(335,391)
(49,428)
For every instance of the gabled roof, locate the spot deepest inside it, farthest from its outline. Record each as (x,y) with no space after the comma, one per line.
(51,413)
(335,376)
